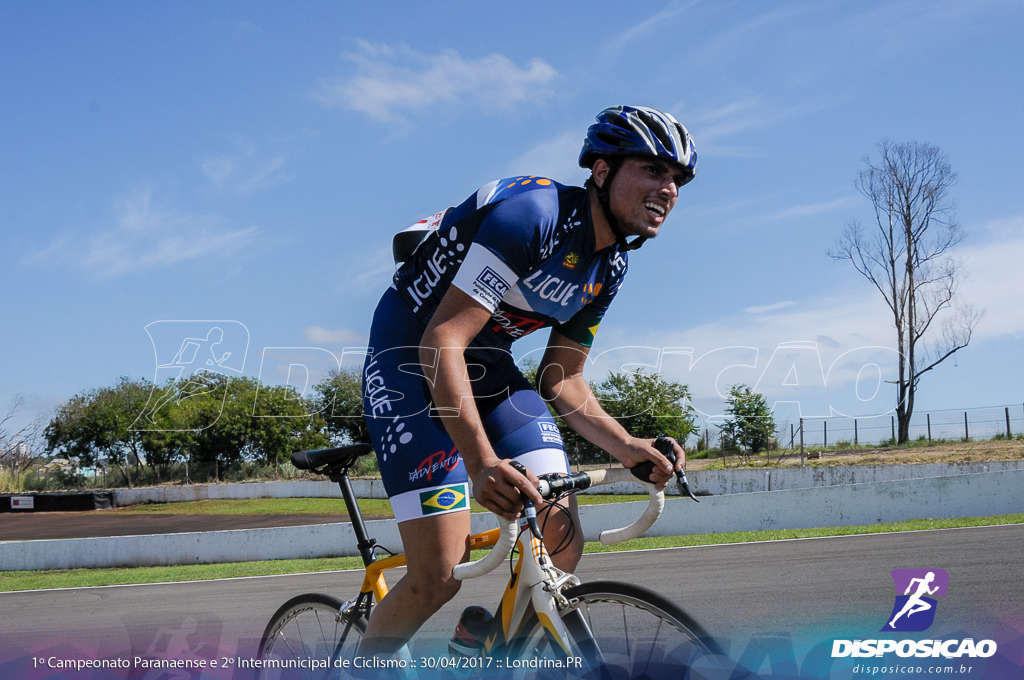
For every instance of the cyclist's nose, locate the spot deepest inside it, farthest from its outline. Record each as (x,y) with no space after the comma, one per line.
(668,186)
(669,191)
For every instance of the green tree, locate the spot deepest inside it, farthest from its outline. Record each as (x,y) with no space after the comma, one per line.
(94,427)
(647,404)
(339,400)
(243,420)
(751,427)
(578,449)
(285,422)
(212,421)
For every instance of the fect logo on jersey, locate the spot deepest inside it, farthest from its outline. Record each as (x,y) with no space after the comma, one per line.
(916,590)
(549,432)
(444,500)
(571,260)
(492,283)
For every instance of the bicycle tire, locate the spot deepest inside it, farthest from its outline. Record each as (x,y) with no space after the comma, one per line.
(637,633)
(302,638)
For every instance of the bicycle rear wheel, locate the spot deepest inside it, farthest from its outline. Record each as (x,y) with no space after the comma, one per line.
(305,636)
(622,630)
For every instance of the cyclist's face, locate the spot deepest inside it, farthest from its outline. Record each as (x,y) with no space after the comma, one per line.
(643,193)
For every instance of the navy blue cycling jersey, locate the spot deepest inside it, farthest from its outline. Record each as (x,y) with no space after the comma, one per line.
(523,248)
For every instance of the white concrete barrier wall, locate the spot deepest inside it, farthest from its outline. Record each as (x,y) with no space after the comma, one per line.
(209,547)
(713,482)
(966,495)
(975,495)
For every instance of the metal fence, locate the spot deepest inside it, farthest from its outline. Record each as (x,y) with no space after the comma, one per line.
(951,424)
(980,423)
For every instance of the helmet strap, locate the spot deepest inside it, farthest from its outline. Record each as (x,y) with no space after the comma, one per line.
(604,198)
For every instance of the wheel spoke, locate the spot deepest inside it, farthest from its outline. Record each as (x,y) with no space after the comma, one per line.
(307,629)
(635,632)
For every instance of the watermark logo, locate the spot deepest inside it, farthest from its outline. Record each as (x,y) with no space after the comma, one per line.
(913,611)
(916,592)
(193,358)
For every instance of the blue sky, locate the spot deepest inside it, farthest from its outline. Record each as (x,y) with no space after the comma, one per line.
(247,163)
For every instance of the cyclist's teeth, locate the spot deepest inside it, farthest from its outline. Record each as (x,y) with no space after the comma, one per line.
(654,207)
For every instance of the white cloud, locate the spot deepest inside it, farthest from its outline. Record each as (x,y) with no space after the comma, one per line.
(995,278)
(246,171)
(750,211)
(146,236)
(556,157)
(389,81)
(654,24)
(832,353)
(764,309)
(218,169)
(820,355)
(747,114)
(810,209)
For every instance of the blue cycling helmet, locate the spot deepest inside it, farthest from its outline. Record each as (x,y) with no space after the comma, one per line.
(639,131)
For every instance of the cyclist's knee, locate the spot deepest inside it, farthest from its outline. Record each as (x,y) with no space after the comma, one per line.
(569,556)
(433,586)
(563,535)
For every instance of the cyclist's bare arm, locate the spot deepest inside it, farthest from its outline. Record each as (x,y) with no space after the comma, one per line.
(458,319)
(561,383)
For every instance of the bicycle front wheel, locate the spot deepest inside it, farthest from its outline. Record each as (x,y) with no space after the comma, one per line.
(621,630)
(305,637)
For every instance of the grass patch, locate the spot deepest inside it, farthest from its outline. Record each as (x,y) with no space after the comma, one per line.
(76,578)
(785,534)
(261,506)
(370,507)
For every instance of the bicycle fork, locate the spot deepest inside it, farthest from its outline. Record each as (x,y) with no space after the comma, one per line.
(535,587)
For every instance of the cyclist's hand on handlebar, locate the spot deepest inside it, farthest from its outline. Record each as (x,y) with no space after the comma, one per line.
(501,488)
(661,469)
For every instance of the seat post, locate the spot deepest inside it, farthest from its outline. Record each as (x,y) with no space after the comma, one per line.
(363,541)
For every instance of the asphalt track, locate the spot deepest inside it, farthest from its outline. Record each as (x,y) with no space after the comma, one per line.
(20,526)
(768,602)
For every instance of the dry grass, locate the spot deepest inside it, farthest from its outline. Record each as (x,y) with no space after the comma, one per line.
(946,452)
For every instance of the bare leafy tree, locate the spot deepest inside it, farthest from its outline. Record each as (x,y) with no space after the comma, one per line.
(908,255)
(17,448)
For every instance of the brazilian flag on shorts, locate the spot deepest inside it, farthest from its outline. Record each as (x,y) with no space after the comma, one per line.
(444,499)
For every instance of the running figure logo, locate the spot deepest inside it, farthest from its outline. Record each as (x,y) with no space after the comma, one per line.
(193,358)
(916,590)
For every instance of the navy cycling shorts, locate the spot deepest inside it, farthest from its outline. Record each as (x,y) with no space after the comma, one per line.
(422,471)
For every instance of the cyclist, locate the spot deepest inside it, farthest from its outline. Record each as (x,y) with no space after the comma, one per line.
(445,403)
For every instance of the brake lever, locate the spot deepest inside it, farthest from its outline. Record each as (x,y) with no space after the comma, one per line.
(684,486)
(529,509)
(666,447)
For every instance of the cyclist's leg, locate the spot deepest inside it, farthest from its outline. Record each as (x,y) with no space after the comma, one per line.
(432,545)
(422,473)
(521,428)
(560,521)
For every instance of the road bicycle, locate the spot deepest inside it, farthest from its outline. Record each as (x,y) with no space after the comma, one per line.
(547,623)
